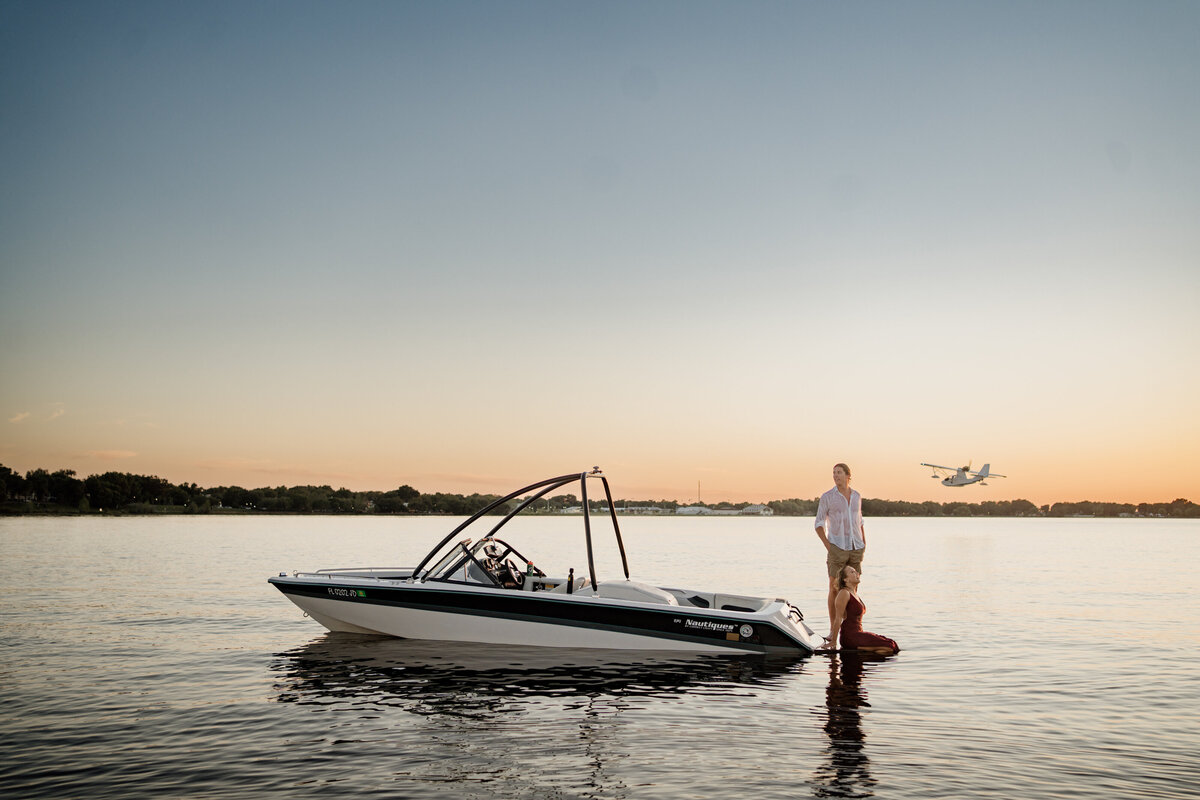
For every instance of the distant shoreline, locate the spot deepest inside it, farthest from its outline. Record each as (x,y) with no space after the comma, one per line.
(17,510)
(61,493)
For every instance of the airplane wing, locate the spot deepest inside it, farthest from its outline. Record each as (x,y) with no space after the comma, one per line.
(936,466)
(985,473)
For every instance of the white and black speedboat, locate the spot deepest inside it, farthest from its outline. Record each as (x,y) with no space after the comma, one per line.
(478,591)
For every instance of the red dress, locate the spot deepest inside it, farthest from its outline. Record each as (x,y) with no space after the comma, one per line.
(854,637)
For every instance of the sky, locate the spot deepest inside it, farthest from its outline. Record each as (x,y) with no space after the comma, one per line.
(713,248)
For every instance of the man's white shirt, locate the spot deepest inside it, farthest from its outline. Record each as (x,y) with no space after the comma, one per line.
(842,519)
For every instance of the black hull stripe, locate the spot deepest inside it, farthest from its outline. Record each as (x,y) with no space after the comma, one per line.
(671,623)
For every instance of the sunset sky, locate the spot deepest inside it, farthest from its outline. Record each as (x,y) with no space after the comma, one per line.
(464,246)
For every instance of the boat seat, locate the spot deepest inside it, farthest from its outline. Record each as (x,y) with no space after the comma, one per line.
(580,585)
(637,592)
(474,573)
(736,602)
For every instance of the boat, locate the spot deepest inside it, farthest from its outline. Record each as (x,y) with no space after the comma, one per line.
(487,591)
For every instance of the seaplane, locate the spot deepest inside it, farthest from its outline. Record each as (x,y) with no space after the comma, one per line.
(962,476)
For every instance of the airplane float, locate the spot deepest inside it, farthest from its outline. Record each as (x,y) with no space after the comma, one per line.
(961,476)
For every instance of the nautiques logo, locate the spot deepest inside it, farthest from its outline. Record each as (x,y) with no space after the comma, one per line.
(708,625)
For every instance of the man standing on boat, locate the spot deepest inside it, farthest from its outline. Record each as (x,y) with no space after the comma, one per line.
(839,525)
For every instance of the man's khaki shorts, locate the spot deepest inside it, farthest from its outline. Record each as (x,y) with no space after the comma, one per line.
(837,558)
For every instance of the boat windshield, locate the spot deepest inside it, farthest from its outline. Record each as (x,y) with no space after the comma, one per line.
(491,562)
(440,567)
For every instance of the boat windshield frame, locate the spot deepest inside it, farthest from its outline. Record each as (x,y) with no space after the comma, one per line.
(420,573)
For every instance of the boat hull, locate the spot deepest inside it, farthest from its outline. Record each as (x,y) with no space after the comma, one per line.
(453,612)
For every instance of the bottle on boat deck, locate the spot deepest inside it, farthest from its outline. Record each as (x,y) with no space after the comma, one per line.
(571,581)
(528,567)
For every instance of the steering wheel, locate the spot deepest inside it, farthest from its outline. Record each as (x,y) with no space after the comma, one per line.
(511,573)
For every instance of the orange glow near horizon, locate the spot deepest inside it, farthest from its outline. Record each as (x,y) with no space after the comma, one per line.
(1073,479)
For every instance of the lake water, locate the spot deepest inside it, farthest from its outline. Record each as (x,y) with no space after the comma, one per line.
(1042,658)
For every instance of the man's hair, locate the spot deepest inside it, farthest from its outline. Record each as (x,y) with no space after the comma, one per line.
(845,468)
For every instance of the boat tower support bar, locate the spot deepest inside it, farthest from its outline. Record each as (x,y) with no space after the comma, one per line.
(587,529)
(617,528)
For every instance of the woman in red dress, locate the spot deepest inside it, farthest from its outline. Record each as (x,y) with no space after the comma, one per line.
(848,610)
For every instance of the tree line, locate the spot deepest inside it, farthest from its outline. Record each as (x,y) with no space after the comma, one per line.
(62,491)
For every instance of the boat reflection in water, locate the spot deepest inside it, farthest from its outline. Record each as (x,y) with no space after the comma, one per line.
(846,772)
(498,721)
(460,676)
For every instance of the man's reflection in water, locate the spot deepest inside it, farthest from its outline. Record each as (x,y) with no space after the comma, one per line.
(846,773)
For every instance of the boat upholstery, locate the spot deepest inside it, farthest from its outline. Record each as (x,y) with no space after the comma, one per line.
(561,586)
(474,573)
(737,602)
(638,592)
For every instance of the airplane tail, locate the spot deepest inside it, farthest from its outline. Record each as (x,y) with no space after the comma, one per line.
(983,473)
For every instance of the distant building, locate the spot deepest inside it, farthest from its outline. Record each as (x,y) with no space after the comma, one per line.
(693,511)
(756,510)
